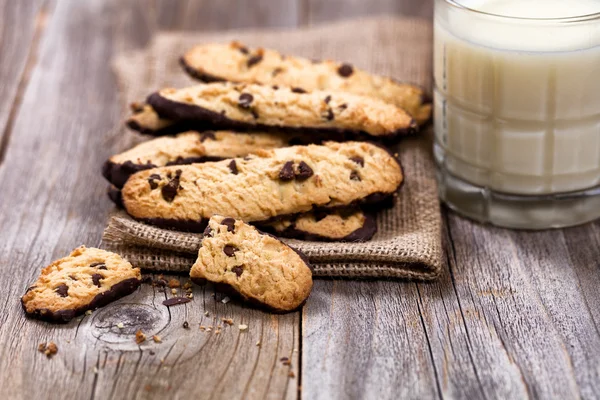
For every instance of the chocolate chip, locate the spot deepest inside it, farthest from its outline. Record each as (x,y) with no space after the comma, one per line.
(319,215)
(275,87)
(354,176)
(186,325)
(329,115)
(298,90)
(233,167)
(229,223)
(207,135)
(99,265)
(96,279)
(327,99)
(174,301)
(62,290)
(169,191)
(345,70)
(245,100)
(342,107)
(359,160)
(287,172)
(229,250)
(243,49)
(237,270)
(304,171)
(152,181)
(73,277)
(277,71)
(255,59)
(208,230)
(254,113)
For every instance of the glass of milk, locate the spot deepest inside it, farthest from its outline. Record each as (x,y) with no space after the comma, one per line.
(517,110)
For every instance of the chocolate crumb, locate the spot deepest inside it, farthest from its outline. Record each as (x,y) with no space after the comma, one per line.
(233,167)
(238,270)
(245,100)
(345,70)
(287,171)
(327,99)
(175,301)
(169,191)
(186,325)
(140,337)
(62,290)
(359,160)
(255,59)
(298,90)
(96,279)
(229,223)
(207,135)
(229,250)
(354,176)
(304,171)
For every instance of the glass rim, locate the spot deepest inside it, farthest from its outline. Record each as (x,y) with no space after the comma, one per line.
(577,18)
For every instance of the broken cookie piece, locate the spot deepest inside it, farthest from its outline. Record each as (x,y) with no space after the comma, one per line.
(260,268)
(87,279)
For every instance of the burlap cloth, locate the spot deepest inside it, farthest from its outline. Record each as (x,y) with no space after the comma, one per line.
(408,243)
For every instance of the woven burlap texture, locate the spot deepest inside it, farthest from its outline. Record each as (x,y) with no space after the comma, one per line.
(408,242)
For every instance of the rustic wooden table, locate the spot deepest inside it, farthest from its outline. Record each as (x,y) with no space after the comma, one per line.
(515,314)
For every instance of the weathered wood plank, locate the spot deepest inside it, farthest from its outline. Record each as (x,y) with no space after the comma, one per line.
(316,11)
(21,27)
(55,194)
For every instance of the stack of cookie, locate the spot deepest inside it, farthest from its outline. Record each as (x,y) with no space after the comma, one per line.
(270,141)
(281,142)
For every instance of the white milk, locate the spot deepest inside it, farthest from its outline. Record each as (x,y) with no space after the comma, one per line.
(517,102)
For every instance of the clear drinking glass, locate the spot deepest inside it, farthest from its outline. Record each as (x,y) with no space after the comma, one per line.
(517,111)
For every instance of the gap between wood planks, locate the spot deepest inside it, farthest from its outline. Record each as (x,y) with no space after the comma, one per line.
(41,22)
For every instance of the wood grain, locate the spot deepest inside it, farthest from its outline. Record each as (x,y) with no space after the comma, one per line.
(64,129)
(515,315)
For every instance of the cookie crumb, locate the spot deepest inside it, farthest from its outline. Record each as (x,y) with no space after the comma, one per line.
(140,337)
(120,325)
(291,374)
(206,313)
(174,283)
(173,291)
(225,300)
(49,349)
(258,343)
(95,370)
(227,321)
(189,295)
(202,328)
(243,327)
(209,329)
(88,312)
(156,339)
(187,285)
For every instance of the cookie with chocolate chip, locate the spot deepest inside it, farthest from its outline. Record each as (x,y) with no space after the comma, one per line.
(187,148)
(225,62)
(87,279)
(260,268)
(268,184)
(251,106)
(343,225)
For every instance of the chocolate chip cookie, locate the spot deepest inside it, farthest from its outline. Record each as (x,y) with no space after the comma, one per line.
(187,148)
(88,278)
(260,268)
(343,225)
(250,106)
(268,184)
(235,62)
